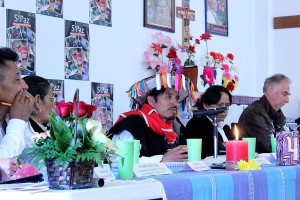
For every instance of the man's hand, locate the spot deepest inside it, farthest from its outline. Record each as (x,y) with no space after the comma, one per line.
(177,154)
(8,168)
(22,106)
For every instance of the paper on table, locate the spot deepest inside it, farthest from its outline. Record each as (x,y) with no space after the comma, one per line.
(188,166)
(32,187)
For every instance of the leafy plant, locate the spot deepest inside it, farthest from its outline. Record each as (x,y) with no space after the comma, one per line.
(63,145)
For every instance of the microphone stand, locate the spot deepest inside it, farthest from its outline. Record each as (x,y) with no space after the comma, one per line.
(215,135)
(213,113)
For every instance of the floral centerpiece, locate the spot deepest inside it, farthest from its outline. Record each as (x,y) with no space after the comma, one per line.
(72,147)
(213,61)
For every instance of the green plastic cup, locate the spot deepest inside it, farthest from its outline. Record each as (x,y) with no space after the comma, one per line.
(136,154)
(194,147)
(251,147)
(125,162)
(273,144)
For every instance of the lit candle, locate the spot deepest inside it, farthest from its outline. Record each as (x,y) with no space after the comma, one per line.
(236,150)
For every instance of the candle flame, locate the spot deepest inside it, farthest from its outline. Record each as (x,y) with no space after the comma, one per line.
(236,133)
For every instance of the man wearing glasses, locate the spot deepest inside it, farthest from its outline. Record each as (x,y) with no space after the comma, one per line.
(263,118)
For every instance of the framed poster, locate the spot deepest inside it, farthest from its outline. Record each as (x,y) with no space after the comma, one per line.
(216,17)
(160,14)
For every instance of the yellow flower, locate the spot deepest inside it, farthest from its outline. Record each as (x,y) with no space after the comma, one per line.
(254,165)
(246,166)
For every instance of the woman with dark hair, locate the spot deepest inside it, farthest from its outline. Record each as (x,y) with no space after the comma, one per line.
(42,92)
(202,127)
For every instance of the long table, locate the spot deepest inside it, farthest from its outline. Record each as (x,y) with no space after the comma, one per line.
(274,182)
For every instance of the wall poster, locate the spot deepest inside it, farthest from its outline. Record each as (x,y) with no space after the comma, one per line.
(77,50)
(20,29)
(102,98)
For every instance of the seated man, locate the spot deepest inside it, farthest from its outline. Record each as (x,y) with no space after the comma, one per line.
(152,123)
(263,118)
(15,101)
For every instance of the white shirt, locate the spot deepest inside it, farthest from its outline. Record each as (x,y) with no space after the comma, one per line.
(12,143)
(126,135)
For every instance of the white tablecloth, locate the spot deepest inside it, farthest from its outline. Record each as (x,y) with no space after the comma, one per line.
(117,189)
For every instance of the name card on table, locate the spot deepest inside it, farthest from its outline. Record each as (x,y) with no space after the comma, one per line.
(189,166)
(151,169)
(195,166)
(104,172)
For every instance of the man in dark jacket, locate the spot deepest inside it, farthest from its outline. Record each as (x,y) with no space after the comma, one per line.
(263,118)
(152,123)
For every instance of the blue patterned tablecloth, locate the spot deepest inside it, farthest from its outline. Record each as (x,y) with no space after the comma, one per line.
(276,182)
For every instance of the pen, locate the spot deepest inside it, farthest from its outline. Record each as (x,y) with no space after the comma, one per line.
(5,104)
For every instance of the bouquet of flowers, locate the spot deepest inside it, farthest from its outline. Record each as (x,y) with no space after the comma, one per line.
(161,50)
(74,136)
(214,61)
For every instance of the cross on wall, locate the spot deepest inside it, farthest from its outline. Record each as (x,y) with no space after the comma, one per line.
(186,15)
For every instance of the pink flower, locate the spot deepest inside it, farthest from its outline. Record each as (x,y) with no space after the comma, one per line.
(163,39)
(227,75)
(236,78)
(208,73)
(225,67)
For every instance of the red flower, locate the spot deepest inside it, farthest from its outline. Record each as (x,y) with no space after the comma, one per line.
(172,54)
(230,86)
(205,36)
(230,56)
(213,54)
(197,41)
(84,109)
(63,109)
(157,48)
(208,73)
(192,49)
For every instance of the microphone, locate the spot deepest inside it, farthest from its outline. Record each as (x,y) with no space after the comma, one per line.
(208,111)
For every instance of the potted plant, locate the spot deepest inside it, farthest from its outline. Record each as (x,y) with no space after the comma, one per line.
(73,146)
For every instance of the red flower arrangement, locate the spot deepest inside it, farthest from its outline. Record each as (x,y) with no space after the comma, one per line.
(71,138)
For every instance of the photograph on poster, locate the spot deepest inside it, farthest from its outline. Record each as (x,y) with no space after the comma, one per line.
(50,7)
(216,17)
(100,12)
(159,14)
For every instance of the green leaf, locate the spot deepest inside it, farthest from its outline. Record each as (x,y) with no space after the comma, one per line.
(61,133)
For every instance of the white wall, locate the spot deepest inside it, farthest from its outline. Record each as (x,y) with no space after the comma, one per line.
(116,53)
(286,52)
